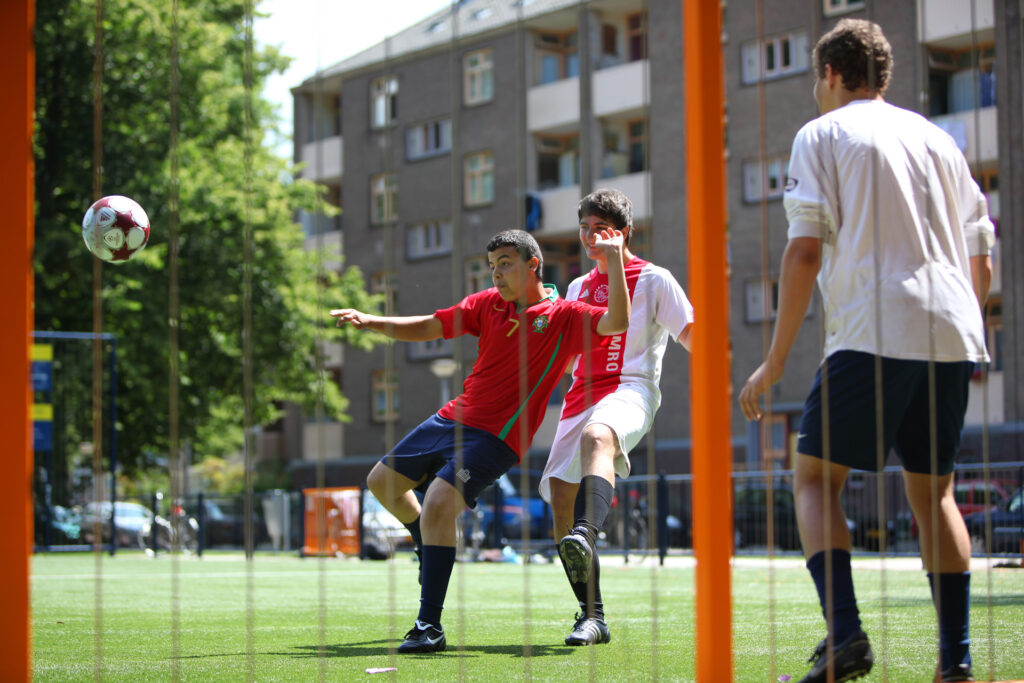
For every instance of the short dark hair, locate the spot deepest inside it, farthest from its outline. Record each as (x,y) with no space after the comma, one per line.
(858,51)
(611,205)
(522,242)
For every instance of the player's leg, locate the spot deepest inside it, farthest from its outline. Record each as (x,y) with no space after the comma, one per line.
(457,485)
(395,492)
(589,627)
(845,653)
(599,446)
(944,539)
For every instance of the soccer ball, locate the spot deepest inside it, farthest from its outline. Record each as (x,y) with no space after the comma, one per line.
(115,229)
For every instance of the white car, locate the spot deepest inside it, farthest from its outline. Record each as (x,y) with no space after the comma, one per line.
(129,518)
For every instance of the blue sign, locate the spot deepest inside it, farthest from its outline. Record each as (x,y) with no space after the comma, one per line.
(42,436)
(42,375)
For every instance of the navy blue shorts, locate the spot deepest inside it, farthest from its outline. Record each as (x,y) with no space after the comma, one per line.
(905,412)
(430,451)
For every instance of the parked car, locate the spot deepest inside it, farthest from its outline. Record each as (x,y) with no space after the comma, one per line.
(65,526)
(382,531)
(129,519)
(1007,525)
(970,495)
(480,521)
(750,515)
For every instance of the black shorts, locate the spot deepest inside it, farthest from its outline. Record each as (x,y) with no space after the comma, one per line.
(906,421)
(431,451)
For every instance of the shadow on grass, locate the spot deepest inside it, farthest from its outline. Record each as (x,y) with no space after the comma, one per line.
(1009,600)
(377,648)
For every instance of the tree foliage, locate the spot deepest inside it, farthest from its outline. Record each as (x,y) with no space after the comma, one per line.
(222,189)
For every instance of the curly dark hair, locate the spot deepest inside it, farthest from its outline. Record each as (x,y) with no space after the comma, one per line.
(611,205)
(522,242)
(858,51)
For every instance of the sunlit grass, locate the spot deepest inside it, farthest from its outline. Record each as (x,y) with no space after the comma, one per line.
(316,619)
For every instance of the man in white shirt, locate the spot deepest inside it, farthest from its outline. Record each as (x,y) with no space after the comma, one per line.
(884,213)
(610,405)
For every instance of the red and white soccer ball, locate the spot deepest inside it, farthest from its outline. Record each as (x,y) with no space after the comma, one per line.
(115,228)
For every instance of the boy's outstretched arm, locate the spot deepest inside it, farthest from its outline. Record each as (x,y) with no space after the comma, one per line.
(616,318)
(402,328)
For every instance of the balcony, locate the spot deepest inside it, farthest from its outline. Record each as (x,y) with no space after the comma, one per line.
(979,149)
(948,23)
(323,159)
(559,206)
(553,106)
(621,88)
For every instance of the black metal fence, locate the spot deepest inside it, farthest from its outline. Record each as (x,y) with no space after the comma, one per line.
(650,514)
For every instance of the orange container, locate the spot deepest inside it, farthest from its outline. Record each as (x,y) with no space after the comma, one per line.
(332,521)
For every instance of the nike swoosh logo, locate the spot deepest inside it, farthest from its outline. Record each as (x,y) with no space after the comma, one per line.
(434,641)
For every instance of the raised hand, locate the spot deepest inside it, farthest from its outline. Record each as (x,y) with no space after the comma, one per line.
(610,241)
(356,319)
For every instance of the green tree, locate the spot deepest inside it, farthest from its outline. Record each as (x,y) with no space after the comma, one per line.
(221,189)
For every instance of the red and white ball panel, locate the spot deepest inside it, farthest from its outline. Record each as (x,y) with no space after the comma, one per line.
(115,228)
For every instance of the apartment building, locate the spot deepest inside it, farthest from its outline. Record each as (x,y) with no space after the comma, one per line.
(502,113)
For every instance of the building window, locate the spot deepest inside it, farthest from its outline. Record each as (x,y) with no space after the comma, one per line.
(775,57)
(637,146)
(428,139)
(557,57)
(385,283)
(479,174)
(385,395)
(383,101)
(960,80)
(775,438)
(323,116)
(762,299)
(319,223)
(434,348)
(558,161)
(428,239)
(609,40)
(383,198)
(764,179)
(478,77)
(636,36)
(834,7)
(478,274)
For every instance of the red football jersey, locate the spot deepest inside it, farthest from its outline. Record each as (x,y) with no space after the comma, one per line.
(547,335)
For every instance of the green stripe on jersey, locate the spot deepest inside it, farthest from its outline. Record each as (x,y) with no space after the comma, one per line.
(508,425)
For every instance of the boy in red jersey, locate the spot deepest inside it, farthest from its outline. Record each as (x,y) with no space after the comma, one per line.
(528,336)
(611,403)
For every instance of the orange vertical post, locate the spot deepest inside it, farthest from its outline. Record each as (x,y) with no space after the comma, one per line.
(17,82)
(711,396)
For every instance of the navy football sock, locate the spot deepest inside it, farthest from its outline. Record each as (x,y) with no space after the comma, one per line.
(417,538)
(438,562)
(953,606)
(845,616)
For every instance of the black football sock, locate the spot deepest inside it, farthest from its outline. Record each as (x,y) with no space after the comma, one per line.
(593,501)
(438,562)
(417,538)
(579,589)
(952,598)
(845,615)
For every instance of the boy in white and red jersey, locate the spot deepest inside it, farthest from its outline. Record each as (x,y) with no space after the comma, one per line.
(610,405)
(528,337)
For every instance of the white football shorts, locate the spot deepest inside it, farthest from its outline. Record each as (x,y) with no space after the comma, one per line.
(622,411)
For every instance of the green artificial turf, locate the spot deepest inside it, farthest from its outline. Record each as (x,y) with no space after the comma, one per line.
(332,619)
